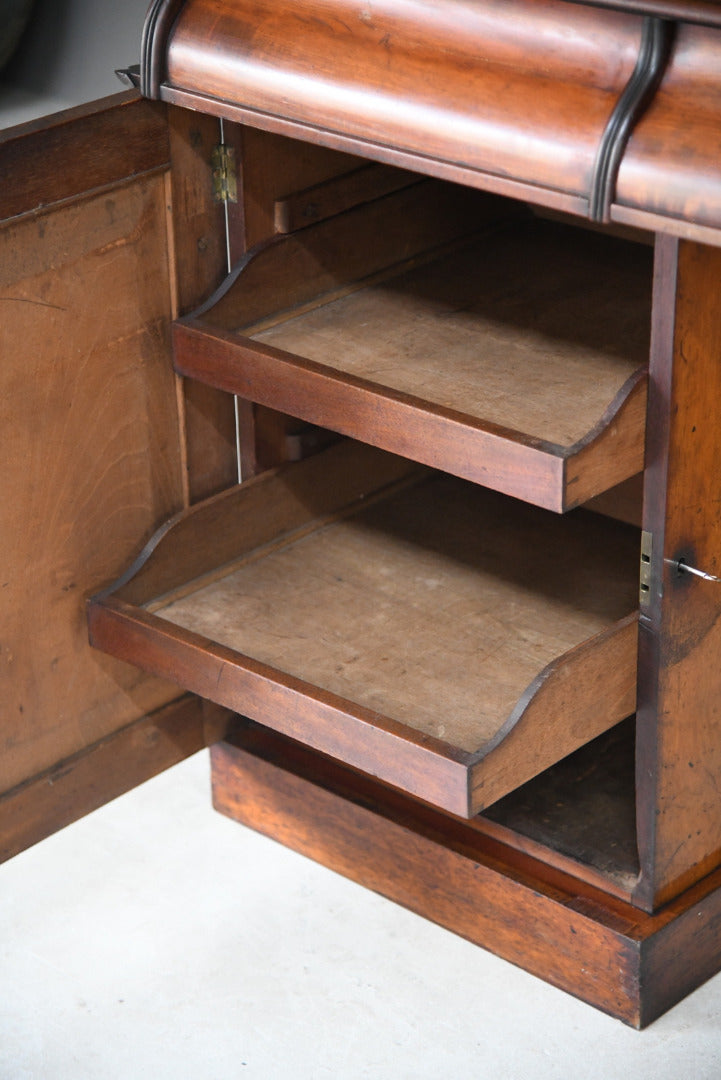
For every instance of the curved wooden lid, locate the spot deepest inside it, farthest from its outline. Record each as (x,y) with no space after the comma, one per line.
(529,98)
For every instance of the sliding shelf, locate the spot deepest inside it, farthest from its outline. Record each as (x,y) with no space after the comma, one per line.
(442,637)
(516,359)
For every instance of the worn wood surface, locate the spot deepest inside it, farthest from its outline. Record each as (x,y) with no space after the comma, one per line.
(91,146)
(679,808)
(233,524)
(274,171)
(397,623)
(367,76)
(337,253)
(580,813)
(330,197)
(631,965)
(90,446)
(546,358)
(515,361)
(100,772)
(90,457)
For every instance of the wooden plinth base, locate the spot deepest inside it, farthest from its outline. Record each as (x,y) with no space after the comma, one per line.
(576,936)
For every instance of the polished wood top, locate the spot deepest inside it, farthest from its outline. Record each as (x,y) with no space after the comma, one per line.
(608,110)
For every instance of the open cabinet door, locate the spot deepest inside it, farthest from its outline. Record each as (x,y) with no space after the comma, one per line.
(92,455)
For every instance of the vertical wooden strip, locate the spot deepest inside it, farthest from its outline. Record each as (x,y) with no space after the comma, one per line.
(200,267)
(679,750)
(236,239)
(274,168)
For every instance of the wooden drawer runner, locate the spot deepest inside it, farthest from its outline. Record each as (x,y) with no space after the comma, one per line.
(516,359)
(444,638)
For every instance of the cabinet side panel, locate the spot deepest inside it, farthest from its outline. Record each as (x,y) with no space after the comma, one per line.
(89,456)
(679,716)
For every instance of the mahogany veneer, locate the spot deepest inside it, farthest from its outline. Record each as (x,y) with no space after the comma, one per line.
(533,100)
(524,110)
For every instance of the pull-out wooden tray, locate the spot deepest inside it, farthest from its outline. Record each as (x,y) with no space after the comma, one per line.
(447,639)
(516,359)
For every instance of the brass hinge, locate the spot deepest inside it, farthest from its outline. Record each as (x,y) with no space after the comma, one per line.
(225,177)
(645,575)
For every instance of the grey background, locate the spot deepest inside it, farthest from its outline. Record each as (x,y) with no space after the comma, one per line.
(68,55)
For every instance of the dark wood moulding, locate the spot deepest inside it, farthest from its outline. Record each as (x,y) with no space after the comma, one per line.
(445,638)
(670,172)
(515,359)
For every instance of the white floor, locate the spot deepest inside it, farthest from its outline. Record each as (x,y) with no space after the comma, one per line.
(158,939)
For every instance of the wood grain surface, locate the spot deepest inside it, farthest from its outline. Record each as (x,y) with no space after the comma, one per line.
(88,779)
(92,146)
(679,811)
(629,964)
(90,448)
(545,96)
(198,266)
(416,627)
(515,360)
(671,164)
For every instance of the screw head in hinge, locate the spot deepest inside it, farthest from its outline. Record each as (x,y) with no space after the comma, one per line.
(225,177)
(645,573)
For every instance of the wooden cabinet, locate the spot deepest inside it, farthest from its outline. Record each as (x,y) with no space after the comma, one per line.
(445,636)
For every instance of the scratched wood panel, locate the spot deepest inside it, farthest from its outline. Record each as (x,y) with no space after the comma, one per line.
(89,458)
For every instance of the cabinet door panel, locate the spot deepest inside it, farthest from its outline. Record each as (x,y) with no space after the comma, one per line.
(91,446)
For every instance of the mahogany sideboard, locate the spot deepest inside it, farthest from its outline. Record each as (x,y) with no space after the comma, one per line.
(438,281)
